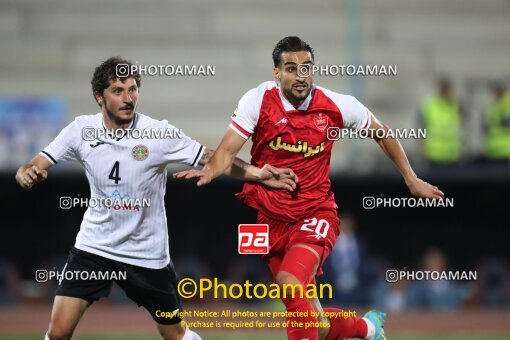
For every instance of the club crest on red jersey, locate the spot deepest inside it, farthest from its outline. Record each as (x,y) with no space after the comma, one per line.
(321,121)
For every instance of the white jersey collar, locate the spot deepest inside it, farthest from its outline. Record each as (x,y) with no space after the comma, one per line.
(131,126)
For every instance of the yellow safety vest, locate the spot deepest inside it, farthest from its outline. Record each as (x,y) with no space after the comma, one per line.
(497,117)
(442,122)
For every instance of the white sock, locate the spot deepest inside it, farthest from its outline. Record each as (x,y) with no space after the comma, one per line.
(190,335)
(370,329)
(46,337)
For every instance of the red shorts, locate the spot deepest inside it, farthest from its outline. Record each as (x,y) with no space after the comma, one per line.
(321,229)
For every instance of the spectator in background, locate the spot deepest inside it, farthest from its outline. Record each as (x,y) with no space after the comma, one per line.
(493,283)
(9,283)
(440,294)
(347,262)
(391,295)
(440,114)
(251,269)
(497,124)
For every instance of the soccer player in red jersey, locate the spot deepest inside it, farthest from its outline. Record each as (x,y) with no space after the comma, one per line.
(288,121)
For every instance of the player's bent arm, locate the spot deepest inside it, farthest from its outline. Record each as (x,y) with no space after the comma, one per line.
(224,161)
(393,149)
(33,172)
(224,155)
(238,169)
(268,175)
(220,161)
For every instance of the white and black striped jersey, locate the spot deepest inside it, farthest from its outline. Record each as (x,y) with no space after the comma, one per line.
(131,169)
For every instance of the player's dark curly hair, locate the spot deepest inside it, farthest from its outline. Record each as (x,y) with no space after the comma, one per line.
(108,70)
(289,44)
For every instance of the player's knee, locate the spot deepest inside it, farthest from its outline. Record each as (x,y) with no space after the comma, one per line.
(174,333)
(57,331)
(288,283)
(283,277)
(173,336)
(324,327)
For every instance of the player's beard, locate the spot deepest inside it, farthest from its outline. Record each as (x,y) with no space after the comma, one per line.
(296,100)
(117,118)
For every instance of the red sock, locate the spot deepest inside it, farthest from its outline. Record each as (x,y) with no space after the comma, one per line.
(346,328)
(306,329)
(301,263)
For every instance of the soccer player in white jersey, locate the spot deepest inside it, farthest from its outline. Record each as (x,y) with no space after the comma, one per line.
(131,238)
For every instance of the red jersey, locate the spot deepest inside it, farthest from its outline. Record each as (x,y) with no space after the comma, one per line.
(286,137)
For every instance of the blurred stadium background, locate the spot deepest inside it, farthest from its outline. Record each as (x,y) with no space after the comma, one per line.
(49,51)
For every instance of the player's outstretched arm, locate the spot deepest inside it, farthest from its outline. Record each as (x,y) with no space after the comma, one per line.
(268,175)
(219,162)
(393,149)
(33,172)
(224,161)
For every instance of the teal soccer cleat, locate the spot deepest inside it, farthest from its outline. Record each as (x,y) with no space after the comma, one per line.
(378,319)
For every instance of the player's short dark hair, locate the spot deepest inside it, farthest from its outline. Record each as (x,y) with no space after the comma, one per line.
(289,44)
(108,71)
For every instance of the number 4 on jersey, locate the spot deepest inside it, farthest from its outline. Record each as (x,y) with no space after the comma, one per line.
(321,227)
(114,174)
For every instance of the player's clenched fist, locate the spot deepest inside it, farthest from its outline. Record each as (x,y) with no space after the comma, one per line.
(28,176)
